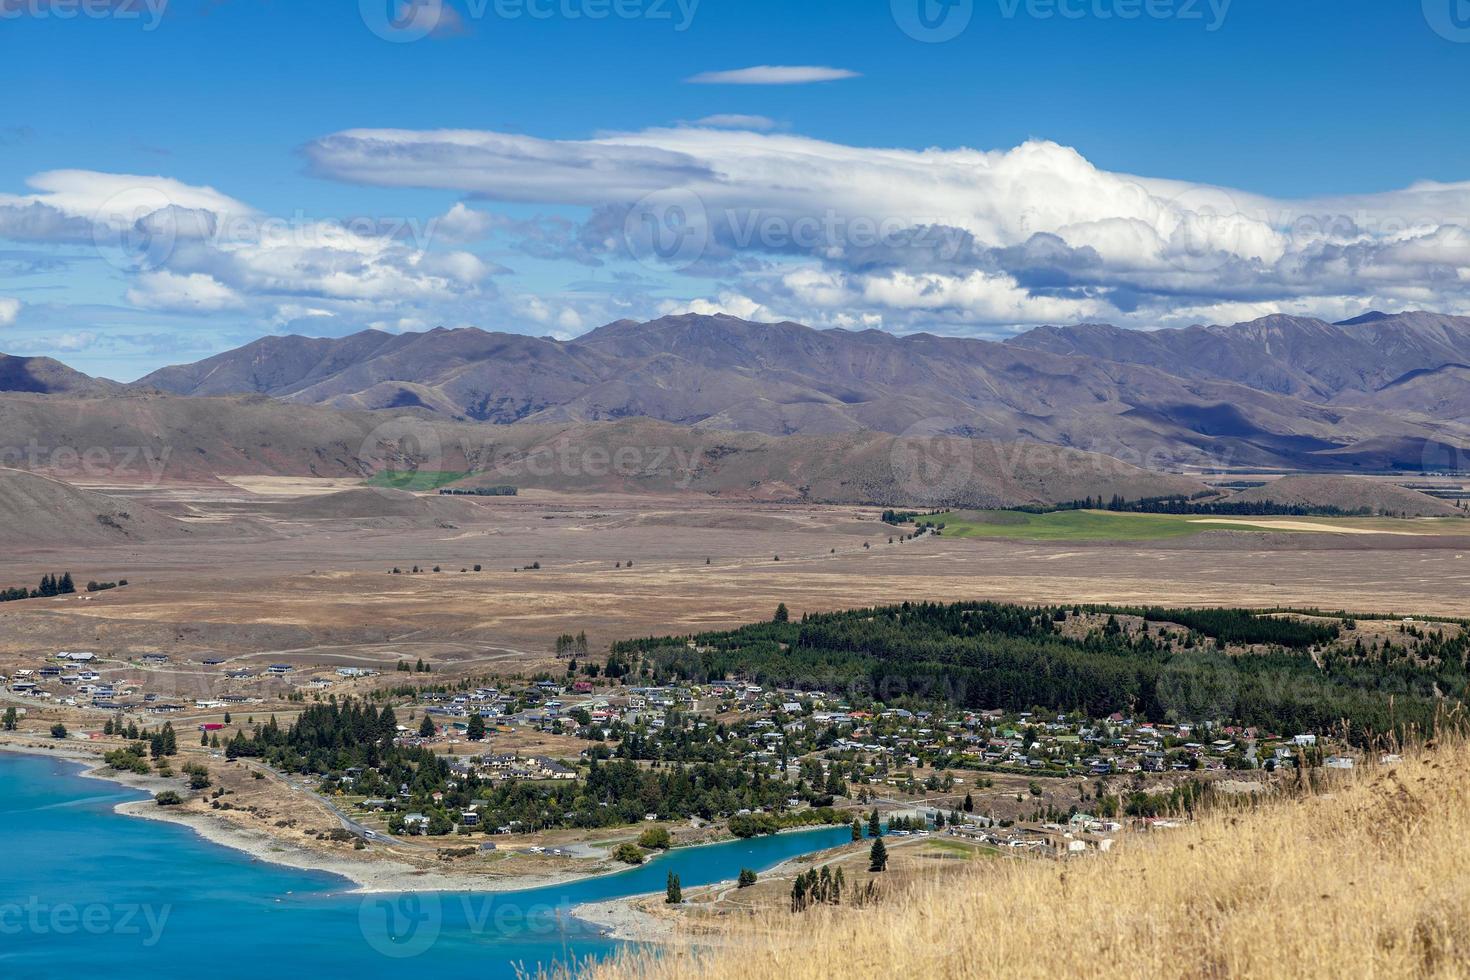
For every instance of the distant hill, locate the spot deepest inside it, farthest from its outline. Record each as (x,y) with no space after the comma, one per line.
(142,438)
(36,510)
(1301,357)
(642,455)
(1347,494)
(1260,394)
(44,376)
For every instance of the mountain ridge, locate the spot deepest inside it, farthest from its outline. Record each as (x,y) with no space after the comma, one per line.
(1280,391)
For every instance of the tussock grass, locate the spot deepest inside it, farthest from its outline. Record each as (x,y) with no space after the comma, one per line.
(1367,875)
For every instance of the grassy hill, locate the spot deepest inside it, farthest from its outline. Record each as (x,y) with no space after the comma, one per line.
(1363,878)
(1347,494)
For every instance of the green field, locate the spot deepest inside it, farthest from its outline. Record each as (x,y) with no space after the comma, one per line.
(1097,525)
(415,479)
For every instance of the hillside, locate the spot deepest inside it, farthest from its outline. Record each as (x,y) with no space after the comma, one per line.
(1122,393)
(1343,883)
(646,456)
(1347,494)
(35,510)
(142,438)
(44,376)
(1345,363)
(376,504)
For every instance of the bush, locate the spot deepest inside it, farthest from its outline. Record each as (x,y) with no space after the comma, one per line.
(628,854)
(58,730)
(655,839)
(168,798)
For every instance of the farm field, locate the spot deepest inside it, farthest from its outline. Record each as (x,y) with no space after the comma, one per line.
(417,480)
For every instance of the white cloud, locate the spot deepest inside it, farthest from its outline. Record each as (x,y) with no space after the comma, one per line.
(1032,231)
(80,340)
(462,224)
(773,75)
(729,303)
(105,197)
(9,310)
(196,292)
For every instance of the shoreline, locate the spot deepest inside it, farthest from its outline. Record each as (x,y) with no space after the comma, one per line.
(623,920)
(368,876)
(374,875)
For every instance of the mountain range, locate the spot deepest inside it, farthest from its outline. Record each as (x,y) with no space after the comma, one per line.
(1376,392)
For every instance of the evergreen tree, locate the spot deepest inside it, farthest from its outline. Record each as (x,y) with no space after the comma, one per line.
(875,828)
(10,720)
(857,829)
(878,856)
(782,615)
(674,894)
(476,730)
(426,729)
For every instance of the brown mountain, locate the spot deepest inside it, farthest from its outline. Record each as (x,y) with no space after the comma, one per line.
(143,438)
(1162,402)
(1329,363)
(42,375)
(1349,494)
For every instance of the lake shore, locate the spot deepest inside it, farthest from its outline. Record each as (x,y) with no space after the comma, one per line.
(376,873)
(367,875)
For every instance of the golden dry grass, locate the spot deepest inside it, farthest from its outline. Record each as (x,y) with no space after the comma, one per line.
(1369,877)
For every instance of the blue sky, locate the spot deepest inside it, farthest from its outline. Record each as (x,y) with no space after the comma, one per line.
(1071,145)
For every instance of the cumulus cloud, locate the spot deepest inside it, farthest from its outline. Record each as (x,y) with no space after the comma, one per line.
(772,75)
(195,292)
(1032,233)
(9,310)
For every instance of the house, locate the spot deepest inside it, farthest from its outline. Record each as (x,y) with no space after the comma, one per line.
(416,823)
(279,669)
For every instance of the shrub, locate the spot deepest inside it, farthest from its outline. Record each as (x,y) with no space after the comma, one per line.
(655,839)
(628,854)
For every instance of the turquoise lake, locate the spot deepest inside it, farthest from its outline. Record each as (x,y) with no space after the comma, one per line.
(85,891)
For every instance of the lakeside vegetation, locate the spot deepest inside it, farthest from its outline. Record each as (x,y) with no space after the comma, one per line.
(696,771)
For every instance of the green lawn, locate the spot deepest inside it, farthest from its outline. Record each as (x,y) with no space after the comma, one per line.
(415,479)
(1068,525)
